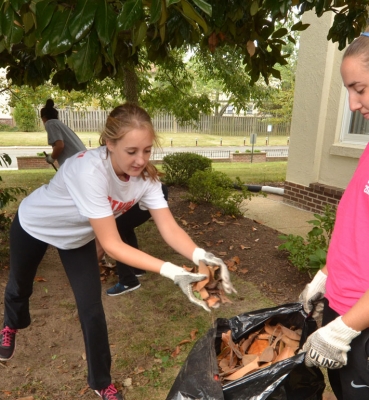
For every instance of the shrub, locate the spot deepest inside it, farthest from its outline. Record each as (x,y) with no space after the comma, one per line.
(217,188)
(179,167)
(311,253)
(25,117)
(7,194)
(7,128)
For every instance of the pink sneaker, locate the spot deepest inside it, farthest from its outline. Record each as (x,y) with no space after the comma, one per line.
(7,343)
(109,393)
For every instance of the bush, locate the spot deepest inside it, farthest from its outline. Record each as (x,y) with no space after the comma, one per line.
(25,117)
(7,194)
(217,188)
(7,128)
(179,167)
(311,253)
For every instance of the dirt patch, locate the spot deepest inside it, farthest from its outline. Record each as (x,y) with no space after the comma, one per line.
(50,362)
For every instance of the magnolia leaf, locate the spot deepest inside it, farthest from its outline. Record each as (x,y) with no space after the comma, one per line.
(155,11)
(251,47)
(254,8)
(105,22)
(12,29)
(44,11)
(279,33)
(84,57)
(56,38)
(28,21)
(190,13)
(132,12)
(83,18)
(299,26)
(140,34)
(204,6)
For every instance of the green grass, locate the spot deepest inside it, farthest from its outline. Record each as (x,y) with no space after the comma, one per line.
(256,173)
(166,139)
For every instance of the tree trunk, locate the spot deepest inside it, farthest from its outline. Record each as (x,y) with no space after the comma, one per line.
(130,83)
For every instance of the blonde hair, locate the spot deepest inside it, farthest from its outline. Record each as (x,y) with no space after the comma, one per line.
(124,119)
(359,48)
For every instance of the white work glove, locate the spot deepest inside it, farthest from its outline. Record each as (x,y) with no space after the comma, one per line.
(184,279)
(49,159)
(328,346)
(210,259)
(311,297)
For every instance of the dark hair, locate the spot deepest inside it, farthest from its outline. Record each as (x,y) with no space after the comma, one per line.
(49,112)
(123,119)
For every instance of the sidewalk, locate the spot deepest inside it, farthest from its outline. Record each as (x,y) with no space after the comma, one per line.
(272,212)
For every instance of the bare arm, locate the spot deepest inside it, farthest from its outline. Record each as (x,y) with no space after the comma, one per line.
(357,317)
(58,148)
(107,234)
(172,233)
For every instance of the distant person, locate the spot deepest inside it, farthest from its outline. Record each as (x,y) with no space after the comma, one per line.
(64,141)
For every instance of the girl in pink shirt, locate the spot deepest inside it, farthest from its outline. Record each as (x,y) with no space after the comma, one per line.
(340,290)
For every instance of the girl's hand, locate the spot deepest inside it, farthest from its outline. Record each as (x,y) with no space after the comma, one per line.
(312,295)
(184,280)
(210,259)
(328,346)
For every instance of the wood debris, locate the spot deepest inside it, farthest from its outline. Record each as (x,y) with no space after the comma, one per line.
(210,289)
(259,349)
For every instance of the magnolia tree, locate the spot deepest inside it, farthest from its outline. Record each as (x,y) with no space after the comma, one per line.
(78,41)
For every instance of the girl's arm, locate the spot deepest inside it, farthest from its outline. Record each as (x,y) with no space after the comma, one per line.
(357,317)
(58,148)
(107,234)
(172,233)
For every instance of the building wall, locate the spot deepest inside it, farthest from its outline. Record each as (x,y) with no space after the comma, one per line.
(316,155)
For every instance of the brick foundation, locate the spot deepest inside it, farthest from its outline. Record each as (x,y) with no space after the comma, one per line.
(34,162)
(313,198)
(246,157)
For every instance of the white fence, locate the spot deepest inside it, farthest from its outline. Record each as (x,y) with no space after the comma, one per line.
(93,121)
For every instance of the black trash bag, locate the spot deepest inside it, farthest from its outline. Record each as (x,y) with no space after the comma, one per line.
(289,379)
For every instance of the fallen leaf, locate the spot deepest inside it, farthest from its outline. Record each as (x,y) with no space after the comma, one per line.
(244,270)
(39,279)
(184,341)
(254,229)
(184,222)
(84,390)
(176,351)
(236,259)
(244,247)
(193,333)
(222,253)
(256,240)
(192,206)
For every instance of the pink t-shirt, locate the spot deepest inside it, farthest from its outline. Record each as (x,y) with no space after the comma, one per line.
(348,254)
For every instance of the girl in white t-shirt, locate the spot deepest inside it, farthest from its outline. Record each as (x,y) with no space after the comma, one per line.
(81,202)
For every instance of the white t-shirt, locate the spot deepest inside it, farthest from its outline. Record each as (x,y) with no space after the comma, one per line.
(84,187)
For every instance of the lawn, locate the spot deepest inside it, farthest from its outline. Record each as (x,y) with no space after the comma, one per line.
(91,139)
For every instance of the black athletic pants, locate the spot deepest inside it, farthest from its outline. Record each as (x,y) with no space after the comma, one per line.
(126,225)
(82,269)
(350,382)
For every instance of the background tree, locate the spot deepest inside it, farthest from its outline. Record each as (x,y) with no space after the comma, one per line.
(78,41)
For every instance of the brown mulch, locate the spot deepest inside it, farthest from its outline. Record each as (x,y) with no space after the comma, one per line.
(249,248)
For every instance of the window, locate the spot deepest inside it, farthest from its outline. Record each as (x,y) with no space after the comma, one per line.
(355,128)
